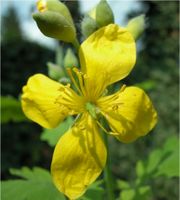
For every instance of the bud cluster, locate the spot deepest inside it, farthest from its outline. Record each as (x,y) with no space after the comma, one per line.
(54,20)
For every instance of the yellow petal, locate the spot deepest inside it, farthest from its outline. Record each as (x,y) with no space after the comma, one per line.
(79,158)
(108,55)
(130,113)
(48,102)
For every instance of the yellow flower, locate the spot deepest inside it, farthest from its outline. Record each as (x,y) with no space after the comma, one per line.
(106,57)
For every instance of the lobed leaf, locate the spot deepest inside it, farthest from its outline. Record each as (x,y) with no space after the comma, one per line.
(11,110)
(51,136)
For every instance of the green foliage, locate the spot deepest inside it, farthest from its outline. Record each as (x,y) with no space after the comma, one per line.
(169,165)
(52,135)
(36,184)
(95,191)
(11,110)
(147,85)
(140,193)
(161,162)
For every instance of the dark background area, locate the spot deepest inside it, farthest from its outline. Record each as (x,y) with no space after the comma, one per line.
(156,67)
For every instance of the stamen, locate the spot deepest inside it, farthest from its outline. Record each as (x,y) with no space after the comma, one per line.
(100,125)
(122,88)
(81,80)
(69,71)
(76,119)
(69,99)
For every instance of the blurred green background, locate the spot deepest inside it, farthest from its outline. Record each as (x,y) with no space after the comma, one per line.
(156,71)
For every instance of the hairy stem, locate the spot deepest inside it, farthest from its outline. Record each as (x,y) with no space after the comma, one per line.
(76,45)
(107,172)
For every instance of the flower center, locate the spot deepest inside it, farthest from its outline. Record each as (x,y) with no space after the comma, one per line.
(92,109)
(80,83)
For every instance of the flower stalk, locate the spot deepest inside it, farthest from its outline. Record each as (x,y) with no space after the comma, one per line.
(76,45)
(107,170)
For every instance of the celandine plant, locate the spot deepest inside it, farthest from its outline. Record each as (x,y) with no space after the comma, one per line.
(106,56)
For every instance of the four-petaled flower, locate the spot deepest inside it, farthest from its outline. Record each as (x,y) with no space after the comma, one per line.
(106,57)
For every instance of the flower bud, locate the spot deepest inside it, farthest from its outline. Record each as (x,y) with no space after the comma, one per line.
(55,25)
(54,71)
(70,59)
(88,26)
(54,20)
(104,14)
(136,26)
(92,13)
(56,6)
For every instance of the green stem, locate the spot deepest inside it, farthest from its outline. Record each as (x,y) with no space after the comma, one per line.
(107,173)
(76,44)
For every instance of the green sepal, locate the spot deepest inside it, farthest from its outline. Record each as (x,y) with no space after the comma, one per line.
(55,25)
(104,14)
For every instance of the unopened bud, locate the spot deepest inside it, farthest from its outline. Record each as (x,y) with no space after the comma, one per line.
(54,25)
(42,5)
(92,13)
(70,59)
(56,6)
(88,26)
(104,14)
(56,18)
(136,26)
(54,71)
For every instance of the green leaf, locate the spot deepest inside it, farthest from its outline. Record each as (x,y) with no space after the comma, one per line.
(36,185)
(139,193)
(147,85)
(11,110)
(162,161)
(121,184)
(140,169)
(52,135)
(95,191)
(170,164)
(154,160)
(36,174)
